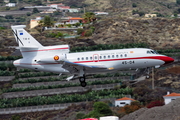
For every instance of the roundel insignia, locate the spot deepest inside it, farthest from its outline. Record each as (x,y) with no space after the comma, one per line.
(56,57)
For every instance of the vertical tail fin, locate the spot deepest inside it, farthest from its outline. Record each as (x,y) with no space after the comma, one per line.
(28,45)
(23,38)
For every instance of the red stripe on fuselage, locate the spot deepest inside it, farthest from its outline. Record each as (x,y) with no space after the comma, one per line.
(46,49)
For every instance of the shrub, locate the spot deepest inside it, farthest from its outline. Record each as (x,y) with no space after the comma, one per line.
(134,5)
(80,115)
(88,33)
(155,103)
(80,31)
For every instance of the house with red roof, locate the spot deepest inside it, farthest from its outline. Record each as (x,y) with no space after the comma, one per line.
(170,97)
(123,101)
(74,20)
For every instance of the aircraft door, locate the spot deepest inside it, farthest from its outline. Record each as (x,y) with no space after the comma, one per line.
(96,58)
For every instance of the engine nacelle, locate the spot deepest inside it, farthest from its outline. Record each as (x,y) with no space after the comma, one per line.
(55,58)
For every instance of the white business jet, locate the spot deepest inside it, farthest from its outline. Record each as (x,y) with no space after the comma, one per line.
(58,59)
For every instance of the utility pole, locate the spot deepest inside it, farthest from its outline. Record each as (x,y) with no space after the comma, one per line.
(153,78)
(84,10)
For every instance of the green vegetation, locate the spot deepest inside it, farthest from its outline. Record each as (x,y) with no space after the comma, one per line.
(60,86)
(141,13)
(66,98)
(55,35)
(6,58)
(100,109)
(6,66)
(46,22)
(37,74)
(134,5)
(6,73)
(89,17)
(80,31)
(50,79)
(178,2)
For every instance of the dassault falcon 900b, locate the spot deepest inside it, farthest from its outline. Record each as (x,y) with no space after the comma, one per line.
(58,59)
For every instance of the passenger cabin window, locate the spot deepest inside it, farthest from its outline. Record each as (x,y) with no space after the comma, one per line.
(117,56)
(90,58)
(78,59)
(100,57)
(86,58)
(125,55)
(104,57)
(112,56)
(95,57)
(108,56)
(82,58)
(121,55)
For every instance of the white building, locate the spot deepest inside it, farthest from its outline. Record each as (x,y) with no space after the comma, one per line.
(150,15)
(109,118)
(35,22)
(6,1)
(56,5)
(11,4)
(169,97)
(123,101)
(72,10)
(101,13)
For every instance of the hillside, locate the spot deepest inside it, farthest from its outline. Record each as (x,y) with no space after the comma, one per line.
(166,112)
(125,7)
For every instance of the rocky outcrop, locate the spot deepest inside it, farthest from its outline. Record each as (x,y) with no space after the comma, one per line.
(167,112)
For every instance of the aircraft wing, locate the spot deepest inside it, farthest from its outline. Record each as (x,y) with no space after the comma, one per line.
(74,67)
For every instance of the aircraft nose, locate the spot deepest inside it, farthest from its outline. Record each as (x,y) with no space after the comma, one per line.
(168,60)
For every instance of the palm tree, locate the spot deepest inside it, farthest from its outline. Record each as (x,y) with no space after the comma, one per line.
(89,17)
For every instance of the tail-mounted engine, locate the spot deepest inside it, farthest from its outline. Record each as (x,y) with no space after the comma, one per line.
(54,58)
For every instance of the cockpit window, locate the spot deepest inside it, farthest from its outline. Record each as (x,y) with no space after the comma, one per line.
(148,52)
(156,52)
(152,52)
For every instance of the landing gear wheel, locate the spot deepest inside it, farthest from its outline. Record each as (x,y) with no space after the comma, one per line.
(82,79)
(83,84)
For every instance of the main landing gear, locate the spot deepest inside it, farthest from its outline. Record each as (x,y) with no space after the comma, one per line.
(82,80)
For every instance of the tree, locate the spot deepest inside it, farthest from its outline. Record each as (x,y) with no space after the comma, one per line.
(46,22)
(178,2)
(89,17)
(28,14)
(12,1)
(35,10)
(9,17)
(134,5)
(100,109)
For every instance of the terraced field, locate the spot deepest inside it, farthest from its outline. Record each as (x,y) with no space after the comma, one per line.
(33,89)
(27,91)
